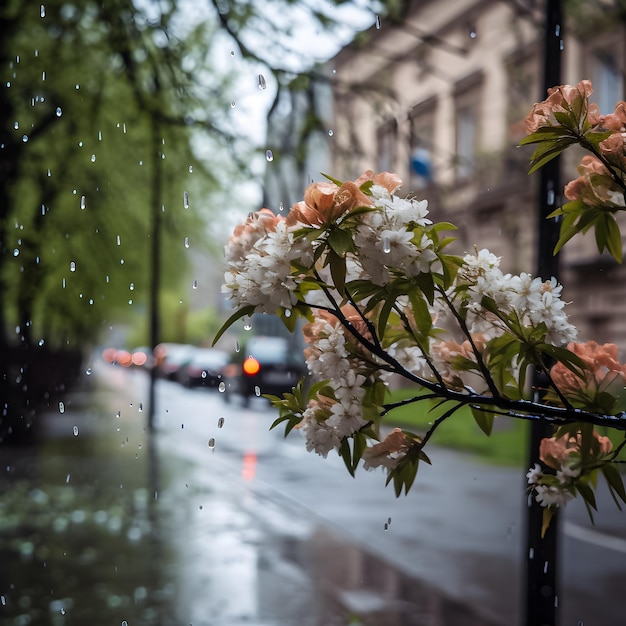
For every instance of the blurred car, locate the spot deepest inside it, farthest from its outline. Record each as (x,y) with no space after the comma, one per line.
(204,369)
(266,365)
(171,357)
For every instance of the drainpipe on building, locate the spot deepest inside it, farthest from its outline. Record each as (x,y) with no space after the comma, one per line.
(541,553)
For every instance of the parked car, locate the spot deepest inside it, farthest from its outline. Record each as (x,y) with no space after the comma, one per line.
(204,369)
(265,365)
(171,357)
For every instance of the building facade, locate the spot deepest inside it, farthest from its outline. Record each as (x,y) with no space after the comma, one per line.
(440,98)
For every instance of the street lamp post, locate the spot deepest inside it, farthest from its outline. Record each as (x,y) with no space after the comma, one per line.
(541,552)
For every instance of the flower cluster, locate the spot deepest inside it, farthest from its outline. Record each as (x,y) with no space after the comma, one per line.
(367,272)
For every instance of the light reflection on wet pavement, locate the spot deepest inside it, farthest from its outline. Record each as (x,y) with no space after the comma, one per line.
(104,528)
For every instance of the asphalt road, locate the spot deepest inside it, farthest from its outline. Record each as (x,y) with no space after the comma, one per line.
(276,533)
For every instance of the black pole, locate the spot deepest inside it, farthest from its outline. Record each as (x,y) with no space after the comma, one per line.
(155,261)
(541,553)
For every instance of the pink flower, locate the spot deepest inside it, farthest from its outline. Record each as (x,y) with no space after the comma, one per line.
(555,453)
(563,99)
(389,180)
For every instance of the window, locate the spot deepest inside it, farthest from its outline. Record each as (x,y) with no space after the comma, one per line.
(467,97)
(386,140)
(608,84)
(422,119)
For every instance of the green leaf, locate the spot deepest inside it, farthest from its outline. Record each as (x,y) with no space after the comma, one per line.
(246,310)
(615,481)
(333,180)
(340,241)
(383,317)
(338,271)
(613,238)
(484,419)
(548,514)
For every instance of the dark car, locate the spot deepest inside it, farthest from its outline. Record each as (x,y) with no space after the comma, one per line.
(266,365)
(171,357)
(204,369)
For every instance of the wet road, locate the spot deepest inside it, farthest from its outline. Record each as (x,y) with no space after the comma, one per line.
(216,520)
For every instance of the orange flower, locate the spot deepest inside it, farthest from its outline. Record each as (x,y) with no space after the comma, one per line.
(389,180)
(555,452)
(561,99)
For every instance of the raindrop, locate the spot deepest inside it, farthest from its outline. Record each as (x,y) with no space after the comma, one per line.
(262,83)
(287,312)
(186,200)
(119,240)
(124,622)
(247,325)
(42,11)
(222,387)
(550,198)
(77,86)
(49,174)
(61,407)
(212,443)
(269,156)
(186,242)
(99,135)
(531,553)
(386,527)
(140,407)
(118,414)
(233,104)
(75,431)
(67,479)
(16,125)
(472,32)
(195,284)
(59,111)
(281,206)
(232,53)
(378,22)
(237,347)
(191,169)
(545,567)
(257,391)
(331,132)
(131,286)
(386,245)
(43,77)
(25,138)
(40,342)
(83,202)
(72,266)
(93,158)
(16,252)
(88,371)
(220,422)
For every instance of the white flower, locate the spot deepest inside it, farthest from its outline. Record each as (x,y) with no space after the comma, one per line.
(534,474)
(551,495)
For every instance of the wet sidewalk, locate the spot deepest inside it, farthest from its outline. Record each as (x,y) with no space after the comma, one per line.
(100,524)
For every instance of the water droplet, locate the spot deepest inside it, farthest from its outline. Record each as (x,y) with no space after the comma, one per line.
(61,407)
(140,407)
(119,240)
(386,245)
(269,156)
(232,53)
(83,202)
(262,83)
(247,324)
(386,526)
(88,371)
(40,342)
(378,22)
(16,252)
(237,347)
(25,138)
(191,169)
(220,422)
(472,32)
(75,431)
(222,387)
(118,414)
(212,443)
(257,391)
(72,266)
(186,242)
(233,104)
(287,312)
(93,158)
(195,284)
(16,125)
(67,479)
(132,286)
(186,200)
(59,111)
(281,206)
(42,11)
(331,132)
